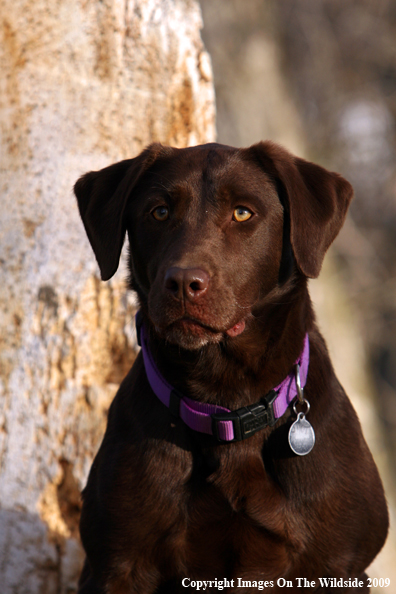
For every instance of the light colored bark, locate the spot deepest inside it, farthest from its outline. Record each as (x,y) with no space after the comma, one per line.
(83,84)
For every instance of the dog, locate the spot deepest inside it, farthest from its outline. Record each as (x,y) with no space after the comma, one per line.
(233,458)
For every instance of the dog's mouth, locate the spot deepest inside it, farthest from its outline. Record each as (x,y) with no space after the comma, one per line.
(193,333)
(193,325)
(197,327)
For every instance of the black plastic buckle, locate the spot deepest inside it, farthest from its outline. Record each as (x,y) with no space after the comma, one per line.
(269,400)
(248,419)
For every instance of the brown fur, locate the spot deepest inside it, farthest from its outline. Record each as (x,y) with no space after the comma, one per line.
(162,501)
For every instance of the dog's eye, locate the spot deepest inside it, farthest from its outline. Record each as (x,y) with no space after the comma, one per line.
(161,213)
(242,214)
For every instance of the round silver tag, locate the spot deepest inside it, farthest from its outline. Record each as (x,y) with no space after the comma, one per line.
(301,436)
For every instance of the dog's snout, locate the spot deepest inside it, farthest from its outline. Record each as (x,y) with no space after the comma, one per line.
(188,283)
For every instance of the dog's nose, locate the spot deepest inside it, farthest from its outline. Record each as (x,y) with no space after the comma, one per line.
(190,283)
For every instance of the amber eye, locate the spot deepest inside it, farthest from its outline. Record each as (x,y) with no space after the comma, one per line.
(242,214)
(161,213)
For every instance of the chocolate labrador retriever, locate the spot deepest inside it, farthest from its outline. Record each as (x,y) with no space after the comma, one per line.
(232,458)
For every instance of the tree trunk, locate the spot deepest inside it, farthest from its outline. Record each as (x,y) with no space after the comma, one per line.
(84,83)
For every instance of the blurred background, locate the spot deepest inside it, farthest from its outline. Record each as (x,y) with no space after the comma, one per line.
(85,83)
(319,77)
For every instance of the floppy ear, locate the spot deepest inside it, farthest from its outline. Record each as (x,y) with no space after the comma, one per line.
(102,197)
(317,201)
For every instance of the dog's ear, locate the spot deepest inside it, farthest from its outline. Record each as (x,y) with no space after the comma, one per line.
(317,201)
(102,197)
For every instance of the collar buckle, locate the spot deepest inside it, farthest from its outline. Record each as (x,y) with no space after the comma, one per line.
(247,420)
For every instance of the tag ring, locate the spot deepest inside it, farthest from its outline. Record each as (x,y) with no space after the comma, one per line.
(301,398)
(308,406)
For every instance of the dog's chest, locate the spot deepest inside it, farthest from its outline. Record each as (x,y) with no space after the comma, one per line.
(249,530)
(230,524)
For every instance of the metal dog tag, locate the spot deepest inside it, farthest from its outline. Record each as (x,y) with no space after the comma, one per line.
(301,436)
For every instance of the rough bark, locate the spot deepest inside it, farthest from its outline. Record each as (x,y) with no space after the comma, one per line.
(83,83)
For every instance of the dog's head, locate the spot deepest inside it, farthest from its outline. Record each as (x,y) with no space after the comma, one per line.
(213,231)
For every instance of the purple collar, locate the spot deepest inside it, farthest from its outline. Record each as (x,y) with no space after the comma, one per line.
(215,420)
